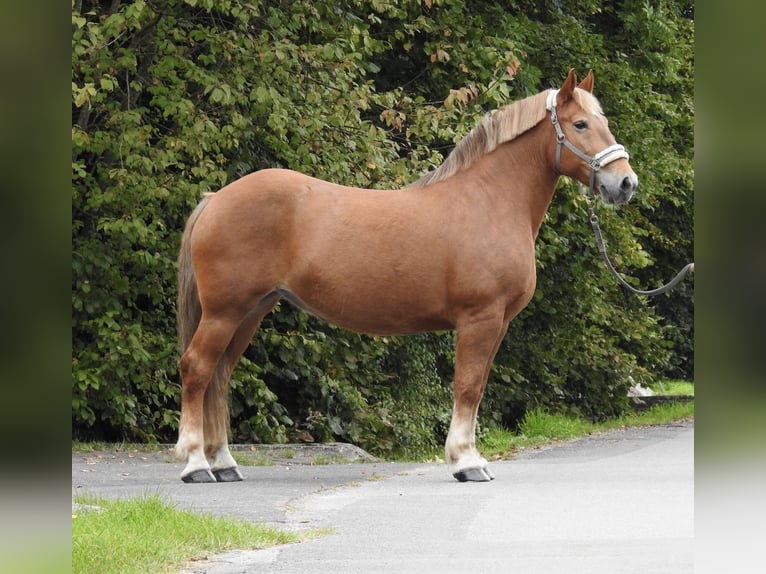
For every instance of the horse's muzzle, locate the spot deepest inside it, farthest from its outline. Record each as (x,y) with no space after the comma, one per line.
(617,192)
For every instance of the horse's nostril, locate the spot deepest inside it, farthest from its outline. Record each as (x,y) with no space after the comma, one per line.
(627,184)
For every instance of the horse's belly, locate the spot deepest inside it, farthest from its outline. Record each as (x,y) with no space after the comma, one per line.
(370,307)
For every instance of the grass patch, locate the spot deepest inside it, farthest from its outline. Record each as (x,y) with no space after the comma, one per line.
(538,424)
(252,459)
(539,428)
(536,429)
(670,388)
(96,446)
(657,415)
(322,460)
(149,536)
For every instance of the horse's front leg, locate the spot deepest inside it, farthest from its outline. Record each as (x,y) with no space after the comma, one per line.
(477,342)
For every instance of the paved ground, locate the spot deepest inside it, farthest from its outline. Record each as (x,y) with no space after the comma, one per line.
(621,502)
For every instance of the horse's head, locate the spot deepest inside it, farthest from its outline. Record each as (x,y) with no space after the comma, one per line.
(592,156)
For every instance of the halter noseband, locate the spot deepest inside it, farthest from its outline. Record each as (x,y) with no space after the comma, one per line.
(602,158)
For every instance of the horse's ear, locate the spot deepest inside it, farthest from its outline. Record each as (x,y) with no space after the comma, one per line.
(587,82)
(565,92)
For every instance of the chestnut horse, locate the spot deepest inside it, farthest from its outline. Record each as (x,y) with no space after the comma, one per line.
(454,250)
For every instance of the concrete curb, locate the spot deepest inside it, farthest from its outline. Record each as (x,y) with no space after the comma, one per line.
(305,453)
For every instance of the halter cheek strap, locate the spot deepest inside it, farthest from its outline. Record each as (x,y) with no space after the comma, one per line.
(602,158)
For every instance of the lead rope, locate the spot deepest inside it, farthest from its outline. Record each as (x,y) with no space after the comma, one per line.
(602,249)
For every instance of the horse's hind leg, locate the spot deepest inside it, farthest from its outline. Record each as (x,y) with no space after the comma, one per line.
(222,464)
(199,368)
(477,342)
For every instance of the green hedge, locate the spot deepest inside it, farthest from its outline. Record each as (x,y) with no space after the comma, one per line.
(174,99)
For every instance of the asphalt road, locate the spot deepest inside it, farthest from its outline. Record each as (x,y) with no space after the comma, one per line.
(620,502)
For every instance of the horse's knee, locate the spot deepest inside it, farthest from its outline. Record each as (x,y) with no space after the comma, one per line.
(468,394)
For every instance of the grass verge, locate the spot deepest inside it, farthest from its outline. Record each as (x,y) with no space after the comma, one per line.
(539,428)
(665,388)
(148,535)
(126,447)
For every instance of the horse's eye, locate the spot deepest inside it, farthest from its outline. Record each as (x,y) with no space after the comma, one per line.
(581,125)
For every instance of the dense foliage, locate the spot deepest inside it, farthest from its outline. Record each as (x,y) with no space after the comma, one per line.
(174,98)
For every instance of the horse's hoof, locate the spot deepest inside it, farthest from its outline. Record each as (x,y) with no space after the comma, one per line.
(474,474)
(230,474)
(199,476)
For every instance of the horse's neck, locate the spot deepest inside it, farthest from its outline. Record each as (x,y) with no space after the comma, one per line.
(517,180)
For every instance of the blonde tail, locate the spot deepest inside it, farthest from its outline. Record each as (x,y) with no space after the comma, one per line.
(188,309)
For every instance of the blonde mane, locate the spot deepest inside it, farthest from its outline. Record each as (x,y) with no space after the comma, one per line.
(495,128)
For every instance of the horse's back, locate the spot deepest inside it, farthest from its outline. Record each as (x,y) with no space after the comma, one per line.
(359,258)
